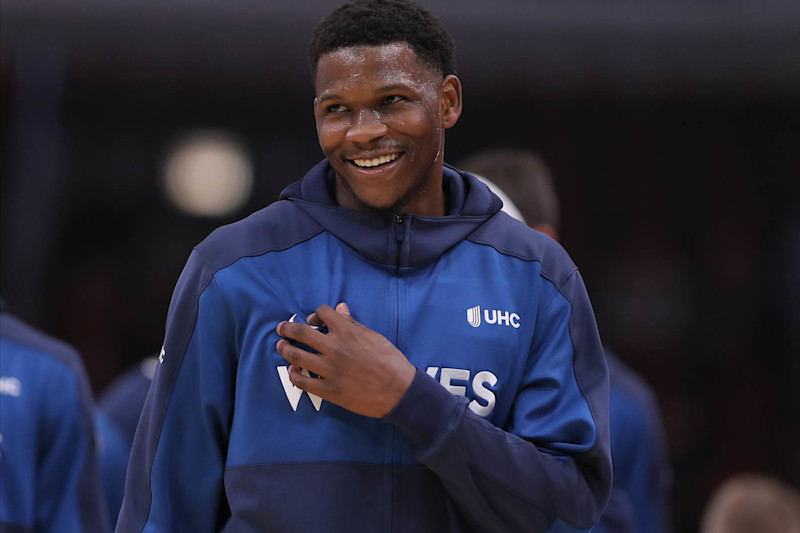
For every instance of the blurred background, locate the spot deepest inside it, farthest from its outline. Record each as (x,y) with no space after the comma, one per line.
(131,130)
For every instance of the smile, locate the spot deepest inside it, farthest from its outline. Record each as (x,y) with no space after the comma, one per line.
(375,161)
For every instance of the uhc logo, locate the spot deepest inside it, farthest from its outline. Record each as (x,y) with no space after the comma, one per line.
(492,316)
(474,316)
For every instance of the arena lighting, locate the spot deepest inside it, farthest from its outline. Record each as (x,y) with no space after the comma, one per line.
(208,173)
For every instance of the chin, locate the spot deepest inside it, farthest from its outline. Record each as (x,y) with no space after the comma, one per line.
(381,206)
(373,197)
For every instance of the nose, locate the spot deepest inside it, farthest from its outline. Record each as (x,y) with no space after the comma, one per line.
(366,127)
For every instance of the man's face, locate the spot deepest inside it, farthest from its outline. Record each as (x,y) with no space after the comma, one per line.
(381,115)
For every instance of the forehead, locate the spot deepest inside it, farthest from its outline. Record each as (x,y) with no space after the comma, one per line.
(386,63)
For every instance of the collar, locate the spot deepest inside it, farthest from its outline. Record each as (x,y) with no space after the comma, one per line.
(405,241)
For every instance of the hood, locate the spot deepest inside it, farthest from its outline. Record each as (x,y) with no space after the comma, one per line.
(404,241)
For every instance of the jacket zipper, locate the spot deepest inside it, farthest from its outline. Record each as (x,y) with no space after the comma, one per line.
(399,237)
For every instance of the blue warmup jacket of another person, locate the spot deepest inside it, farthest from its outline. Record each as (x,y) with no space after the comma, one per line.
(49,480)
(640,499)
(116,417)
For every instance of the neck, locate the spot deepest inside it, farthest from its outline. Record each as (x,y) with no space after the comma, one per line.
(428,201)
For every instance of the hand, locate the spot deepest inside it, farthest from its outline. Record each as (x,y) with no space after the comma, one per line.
(358,368)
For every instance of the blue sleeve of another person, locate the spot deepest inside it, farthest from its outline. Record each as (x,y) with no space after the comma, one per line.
(118,411)
(640,500)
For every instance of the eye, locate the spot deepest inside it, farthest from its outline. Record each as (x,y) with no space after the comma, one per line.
(393,99)
(337,108)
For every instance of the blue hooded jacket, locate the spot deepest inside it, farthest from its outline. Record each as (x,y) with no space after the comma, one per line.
(504,428)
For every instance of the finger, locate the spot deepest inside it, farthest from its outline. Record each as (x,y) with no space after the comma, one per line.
(301,358)
(329,316)
(314,320)
(307,383)
(333,318)
(302,332)
(344,310)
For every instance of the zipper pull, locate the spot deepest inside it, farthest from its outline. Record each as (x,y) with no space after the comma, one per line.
(398,228)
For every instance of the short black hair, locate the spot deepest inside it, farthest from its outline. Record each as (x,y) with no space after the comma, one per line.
(378,22)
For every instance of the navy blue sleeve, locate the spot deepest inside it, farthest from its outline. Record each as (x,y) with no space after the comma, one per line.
(175,472)
(619,516)
(548,468)
(116,417)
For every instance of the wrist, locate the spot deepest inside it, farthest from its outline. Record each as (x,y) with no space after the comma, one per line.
(424,411)
(400,385)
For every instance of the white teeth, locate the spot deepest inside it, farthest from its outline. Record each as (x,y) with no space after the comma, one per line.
(376,161)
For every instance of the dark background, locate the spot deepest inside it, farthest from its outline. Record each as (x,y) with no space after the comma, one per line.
(672,128)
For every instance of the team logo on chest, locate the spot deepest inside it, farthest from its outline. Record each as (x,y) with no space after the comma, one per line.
(492,316)
(455,380)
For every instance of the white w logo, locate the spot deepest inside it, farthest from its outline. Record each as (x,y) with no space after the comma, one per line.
(474,316)
(293,393)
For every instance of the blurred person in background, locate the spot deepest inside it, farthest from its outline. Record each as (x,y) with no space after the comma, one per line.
(640,496)
(271,411)
(752,503)
(49,480)
(116,416)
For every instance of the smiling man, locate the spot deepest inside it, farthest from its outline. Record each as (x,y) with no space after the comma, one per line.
(466,391)
(382,129)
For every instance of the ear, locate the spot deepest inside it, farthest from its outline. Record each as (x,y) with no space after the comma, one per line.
(450,101)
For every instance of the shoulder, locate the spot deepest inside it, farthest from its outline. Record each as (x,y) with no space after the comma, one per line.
(513,238)
(276,227)
(24,341)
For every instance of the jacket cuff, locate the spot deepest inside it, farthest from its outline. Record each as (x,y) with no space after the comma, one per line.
(425,411)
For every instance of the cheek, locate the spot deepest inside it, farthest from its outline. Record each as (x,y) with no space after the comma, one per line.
(331,133)
(417,124)
(428,135)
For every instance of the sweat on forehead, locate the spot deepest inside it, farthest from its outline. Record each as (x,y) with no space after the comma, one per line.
(387,58)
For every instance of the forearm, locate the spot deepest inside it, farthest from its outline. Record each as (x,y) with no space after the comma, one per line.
(500,481)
